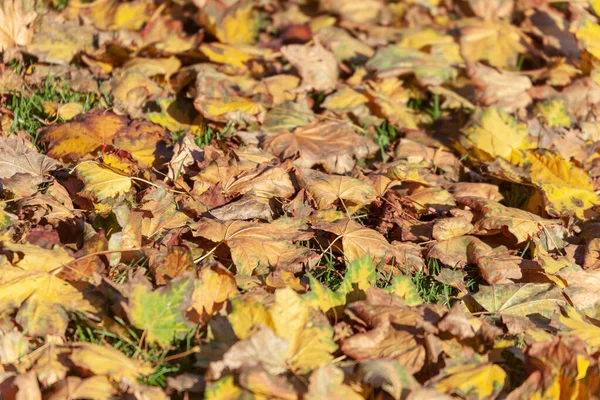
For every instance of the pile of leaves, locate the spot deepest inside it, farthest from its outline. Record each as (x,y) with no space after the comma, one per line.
(301,199)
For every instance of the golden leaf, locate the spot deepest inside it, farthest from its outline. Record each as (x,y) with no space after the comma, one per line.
(256,244)
(329,189)
(497,42)
(492,133)
(566,189)
(101,183)
(106,360)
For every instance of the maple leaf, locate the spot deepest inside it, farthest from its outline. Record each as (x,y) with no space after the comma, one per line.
(16,157)
(329,189)
(256,244)
(93,131)
(506,90)
(30,285)
(212,290)
(580,326)
(331,144)
(403,287)
(497,42)
(566,189)
(429,69)
(494,217)
(357,240)
(96,387)
(102,183)
(480,381)
(328,382)
(230,22)
(386,337)
(16,22)
(492,132)
(106,360)
(317,66)
(306,345)
(57,40)
(360,275)
(164,213)
(160,313)
(521,299)
(389,375)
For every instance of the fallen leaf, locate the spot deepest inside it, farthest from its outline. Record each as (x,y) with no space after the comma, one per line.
(16,21)
(31,286)
(327,382)
(327,190)
(333,145)
(159,313)
(317,66)
(102,183)
(484,381)
(357,240)
(256,244)
(106,360)
(16,157)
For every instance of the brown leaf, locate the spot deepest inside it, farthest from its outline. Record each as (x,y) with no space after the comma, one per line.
(317,66)
(333,145)
(19,157)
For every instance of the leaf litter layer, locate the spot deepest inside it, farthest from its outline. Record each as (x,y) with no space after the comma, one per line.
(229,199)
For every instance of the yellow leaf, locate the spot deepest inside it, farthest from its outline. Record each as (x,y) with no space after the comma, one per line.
(581,328)
(83,136)
(96,387)
(212,290)
(589,34)
(566,189)
(69,110)
(235,24)
(223,389)
(497,42)
(403,287)
(221,108)
(50,108)
(247,314)
(58,41)
(345,99)
(476,381)
(327,382)
(437,41)
(226,54)
(105,360)
(309,345)
(391,99)
(150,67)
(176,116)
(321,297)
(553,113)
(278,89)
(102,183)
(114,15)
(595,6)
(492,133)
(31,286)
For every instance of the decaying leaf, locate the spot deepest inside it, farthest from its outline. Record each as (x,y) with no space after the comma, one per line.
(256,244)
(241,199)
(333,145)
